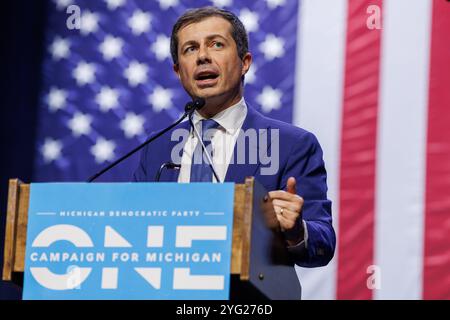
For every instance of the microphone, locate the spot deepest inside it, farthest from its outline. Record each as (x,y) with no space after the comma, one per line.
(196,104)
(204,148)
(168,165)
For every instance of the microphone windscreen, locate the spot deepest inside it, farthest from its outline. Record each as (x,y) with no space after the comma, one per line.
(189,106)
(199,103)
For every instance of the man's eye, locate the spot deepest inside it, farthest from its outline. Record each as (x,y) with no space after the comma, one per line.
(189,49)
(218,44)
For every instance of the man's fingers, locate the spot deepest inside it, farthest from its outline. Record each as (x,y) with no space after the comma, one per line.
(287,219)
(291,186)
(293,206)
(284,195)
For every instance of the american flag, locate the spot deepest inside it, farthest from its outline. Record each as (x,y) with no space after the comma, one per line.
(376,93)
(110,83)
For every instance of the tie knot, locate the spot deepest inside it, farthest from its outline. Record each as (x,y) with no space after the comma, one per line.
(208,124)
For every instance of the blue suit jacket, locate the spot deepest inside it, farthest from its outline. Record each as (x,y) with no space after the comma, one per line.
(300,156)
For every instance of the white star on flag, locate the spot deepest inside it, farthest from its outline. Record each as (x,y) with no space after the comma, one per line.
(63,4)
(161,47)
(114,4)
(166,4)
(272,47)
(80,124)
(84,73)
(222,3)
(60,48)
(103,150)
(56,99)
(139,22)
(89,22)
(272,4)
(136,73)
(111,47)
(269,99)
(160,99)
(132,125)
(107,98)
(51,150)
(249,19)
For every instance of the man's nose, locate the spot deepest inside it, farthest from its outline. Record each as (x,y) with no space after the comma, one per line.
(203,56)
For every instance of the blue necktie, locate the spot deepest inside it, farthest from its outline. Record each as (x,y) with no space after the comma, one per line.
(200,169)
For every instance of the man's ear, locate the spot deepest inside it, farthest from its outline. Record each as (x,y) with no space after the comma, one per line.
(246,62)
(176,68)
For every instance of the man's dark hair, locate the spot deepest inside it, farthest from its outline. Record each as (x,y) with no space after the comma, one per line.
(238,31)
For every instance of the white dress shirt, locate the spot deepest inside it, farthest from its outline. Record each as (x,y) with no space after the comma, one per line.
(223,140)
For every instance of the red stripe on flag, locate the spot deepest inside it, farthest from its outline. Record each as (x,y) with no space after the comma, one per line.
(436,276)
(358,151)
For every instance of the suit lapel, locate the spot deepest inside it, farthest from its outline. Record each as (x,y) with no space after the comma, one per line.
(171,175)
(237,172)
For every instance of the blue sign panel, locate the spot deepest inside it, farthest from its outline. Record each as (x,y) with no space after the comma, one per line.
(129,241)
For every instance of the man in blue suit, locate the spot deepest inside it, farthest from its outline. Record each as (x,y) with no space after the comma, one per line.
(209,48)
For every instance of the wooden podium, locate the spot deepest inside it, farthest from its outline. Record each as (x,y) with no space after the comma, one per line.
(260,265)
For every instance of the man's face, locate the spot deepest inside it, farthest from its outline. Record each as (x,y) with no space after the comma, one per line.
(208,61)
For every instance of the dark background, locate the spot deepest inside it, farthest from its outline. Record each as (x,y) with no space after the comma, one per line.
(22,24)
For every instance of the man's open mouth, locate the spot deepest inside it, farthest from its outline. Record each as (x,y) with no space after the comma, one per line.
(206,78)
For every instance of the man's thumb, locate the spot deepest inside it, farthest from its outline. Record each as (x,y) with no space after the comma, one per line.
(291,185)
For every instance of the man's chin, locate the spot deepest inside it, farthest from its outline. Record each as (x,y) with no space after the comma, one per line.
(213,96)
(209,92)
(208,95)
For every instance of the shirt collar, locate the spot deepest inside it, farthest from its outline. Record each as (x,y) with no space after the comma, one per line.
(229,119)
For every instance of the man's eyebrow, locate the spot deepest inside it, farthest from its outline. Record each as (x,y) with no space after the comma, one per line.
(209,38)
(188,43)
(216,35)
